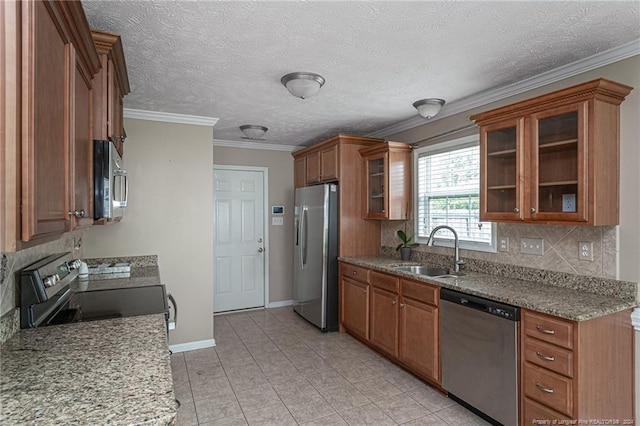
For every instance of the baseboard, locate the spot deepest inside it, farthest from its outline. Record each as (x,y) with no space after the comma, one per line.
(280,304)
(190,346)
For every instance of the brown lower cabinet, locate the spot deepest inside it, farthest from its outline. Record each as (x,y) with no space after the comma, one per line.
(396,316)
(569,371)
(578,371)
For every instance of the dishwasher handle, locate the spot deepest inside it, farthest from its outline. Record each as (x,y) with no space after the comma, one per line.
(491,307)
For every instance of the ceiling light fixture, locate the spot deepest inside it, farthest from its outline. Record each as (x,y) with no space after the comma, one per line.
(428,108)
(253,132)
(302,84)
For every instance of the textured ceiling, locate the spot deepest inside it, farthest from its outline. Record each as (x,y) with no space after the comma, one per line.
(224,59)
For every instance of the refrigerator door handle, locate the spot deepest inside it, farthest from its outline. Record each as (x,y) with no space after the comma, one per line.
(305,228)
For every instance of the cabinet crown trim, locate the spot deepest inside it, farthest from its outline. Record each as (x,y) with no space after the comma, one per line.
(602,89)
(109,43)
(339,139)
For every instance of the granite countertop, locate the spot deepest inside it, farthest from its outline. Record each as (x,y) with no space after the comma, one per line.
(554,300)
(138,277)
(115,372)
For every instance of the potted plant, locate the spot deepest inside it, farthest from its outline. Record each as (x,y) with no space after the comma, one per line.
(406,245)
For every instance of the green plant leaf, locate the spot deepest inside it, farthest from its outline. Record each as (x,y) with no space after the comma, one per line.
(399,246)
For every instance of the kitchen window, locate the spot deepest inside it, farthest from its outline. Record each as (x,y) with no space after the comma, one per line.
(448,193)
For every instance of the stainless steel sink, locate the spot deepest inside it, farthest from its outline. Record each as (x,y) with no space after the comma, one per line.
(429,271)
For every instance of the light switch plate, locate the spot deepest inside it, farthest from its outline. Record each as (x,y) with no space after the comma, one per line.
(503,244)
(585,251)
(532,246)
(277,221)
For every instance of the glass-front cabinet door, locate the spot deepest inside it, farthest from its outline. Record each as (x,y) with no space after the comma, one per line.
(375,183)
(501,154)
(559,169)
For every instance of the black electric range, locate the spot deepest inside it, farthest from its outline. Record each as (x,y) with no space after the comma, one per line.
(51,293)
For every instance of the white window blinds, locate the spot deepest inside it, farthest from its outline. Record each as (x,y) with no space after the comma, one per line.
(448,194)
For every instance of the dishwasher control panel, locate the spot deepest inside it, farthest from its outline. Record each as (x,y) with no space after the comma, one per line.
(501,313)
(491,307)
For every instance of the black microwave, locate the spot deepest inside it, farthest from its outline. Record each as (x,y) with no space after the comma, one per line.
(110,181)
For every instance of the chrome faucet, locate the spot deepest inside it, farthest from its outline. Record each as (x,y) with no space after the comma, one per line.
(456,260)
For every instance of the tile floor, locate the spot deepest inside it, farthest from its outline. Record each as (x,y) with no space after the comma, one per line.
(270,367)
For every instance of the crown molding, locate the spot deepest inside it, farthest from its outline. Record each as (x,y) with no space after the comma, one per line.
(598,60)
(169,117)
(254,145)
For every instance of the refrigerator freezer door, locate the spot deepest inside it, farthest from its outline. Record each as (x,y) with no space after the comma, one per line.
(315,272)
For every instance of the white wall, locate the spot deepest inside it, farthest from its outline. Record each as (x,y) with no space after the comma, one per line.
(169,214)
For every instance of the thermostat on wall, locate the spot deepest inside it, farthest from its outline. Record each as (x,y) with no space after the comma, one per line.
(277,210)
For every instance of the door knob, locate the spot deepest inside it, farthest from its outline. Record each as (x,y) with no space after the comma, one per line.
(260,250)
(77,213)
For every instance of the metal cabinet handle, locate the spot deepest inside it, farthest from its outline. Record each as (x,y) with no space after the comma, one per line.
(516,210)
(544,389)
(393,302)
(545,330)
(354,272)
(532,209)
(545,357)
(78,213)
(402,305)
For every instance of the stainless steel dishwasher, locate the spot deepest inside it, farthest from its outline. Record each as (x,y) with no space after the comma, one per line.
(479,344)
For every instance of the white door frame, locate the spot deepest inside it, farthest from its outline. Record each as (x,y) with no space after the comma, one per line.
(266,211)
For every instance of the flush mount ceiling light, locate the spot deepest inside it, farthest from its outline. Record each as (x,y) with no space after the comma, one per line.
(302,84)
(253,132)
(428,108)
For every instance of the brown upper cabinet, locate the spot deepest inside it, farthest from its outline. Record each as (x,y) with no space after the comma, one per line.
(48,97)
(111,85)
(553,159)
(387,181)
(337,160)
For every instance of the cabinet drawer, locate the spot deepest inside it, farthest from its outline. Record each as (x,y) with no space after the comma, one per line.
(548,388)
(536,414)
(420,291)
(384,281)
(550,329)
(355,272)
(549,356)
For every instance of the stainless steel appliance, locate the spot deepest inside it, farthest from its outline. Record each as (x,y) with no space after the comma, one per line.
(110,181)
(479,349)
(51,293)
(315,271)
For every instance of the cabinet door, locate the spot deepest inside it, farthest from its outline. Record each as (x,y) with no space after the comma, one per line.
(384,320)
(558,164)
(355,307)
(329,164)
(116,110)
(502,171)
(313,167)
(300,172)
(45,121)
(81,203)
(419,337)
(375,186)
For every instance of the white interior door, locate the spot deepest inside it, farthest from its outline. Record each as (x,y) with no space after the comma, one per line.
(239,258)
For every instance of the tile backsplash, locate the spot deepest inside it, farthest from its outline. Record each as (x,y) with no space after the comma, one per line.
(561,247)
(11,263)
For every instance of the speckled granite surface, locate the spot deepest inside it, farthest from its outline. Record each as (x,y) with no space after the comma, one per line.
(115,372)
(9,325)
(607,287)
(135,261)
(139,277)
(555,300)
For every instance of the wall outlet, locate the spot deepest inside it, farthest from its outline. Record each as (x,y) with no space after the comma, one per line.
(503,244)
(585,251)
(532,246)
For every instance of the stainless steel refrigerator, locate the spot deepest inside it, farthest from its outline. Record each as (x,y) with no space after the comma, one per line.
(315,271)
